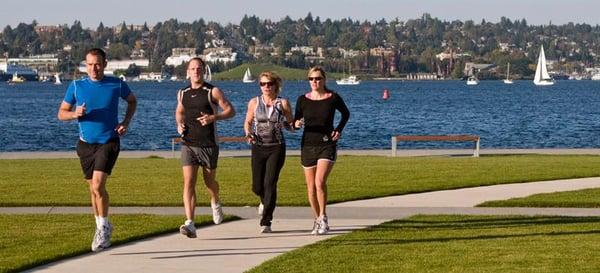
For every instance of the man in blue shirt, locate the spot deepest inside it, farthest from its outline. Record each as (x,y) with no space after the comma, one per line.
(94,102)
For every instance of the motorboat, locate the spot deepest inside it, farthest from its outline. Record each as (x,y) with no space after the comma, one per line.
(472,80)
(16,79)
(350,80)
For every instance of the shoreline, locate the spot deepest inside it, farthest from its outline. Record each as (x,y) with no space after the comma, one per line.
(380,152)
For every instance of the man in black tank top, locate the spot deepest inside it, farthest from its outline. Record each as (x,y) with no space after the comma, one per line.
(196,116)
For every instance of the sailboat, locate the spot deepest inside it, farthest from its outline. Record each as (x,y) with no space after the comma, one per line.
(248,76)
(541,72)
(207,73)
(508,80)
(57,79)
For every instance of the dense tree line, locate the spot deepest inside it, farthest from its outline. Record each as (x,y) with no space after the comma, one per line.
(415,42)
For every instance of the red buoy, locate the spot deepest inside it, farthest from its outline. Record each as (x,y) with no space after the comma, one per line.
(386,94)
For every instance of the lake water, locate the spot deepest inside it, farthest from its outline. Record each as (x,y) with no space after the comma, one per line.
(565,115)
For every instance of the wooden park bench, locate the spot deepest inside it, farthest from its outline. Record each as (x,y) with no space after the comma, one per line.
(176,140)
(473,138)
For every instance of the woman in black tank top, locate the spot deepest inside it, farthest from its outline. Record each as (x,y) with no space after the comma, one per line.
(316,110)
(267,115)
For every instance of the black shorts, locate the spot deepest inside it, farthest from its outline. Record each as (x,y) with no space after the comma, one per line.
(98,157)
(309,155)
(206,157)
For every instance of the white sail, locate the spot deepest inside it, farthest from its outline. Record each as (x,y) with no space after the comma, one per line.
(207,74)
(541,72)
(57,79)
(248,76)
(508,80)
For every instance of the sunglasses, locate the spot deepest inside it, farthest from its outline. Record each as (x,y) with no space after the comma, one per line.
(266,84)
(315,78)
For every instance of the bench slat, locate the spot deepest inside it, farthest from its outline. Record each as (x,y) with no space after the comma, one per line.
(438,138)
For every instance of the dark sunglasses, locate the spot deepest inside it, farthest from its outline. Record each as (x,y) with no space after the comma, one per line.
(267,84)
(315,78)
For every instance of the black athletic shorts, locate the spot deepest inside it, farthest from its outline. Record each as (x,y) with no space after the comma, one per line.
(98,157)
(206,157)
(309,155)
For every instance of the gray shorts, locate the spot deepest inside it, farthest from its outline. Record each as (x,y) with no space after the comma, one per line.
(199,156)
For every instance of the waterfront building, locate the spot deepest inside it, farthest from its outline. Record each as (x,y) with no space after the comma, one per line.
(180,55)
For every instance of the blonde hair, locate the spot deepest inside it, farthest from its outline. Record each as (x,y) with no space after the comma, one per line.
(272,76)
(323,74)
(317,69)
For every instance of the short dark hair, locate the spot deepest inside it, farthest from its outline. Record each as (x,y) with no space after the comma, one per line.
(97,52)
(202,63)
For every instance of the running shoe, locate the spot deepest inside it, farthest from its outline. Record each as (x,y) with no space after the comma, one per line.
(316,227)
(188,230)
(265,229)
(102,238)
(217,212)
(96,241)
(323,226)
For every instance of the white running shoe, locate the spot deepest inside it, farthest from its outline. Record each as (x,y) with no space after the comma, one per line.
(102,238)
(261,209)
(217,213)
(265,229)
(96,241)
(323,226)
(188,230)
(316,227)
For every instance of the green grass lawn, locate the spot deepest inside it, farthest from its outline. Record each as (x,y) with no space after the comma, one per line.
(158,182)
(461,244)
(35,239)
(588,198)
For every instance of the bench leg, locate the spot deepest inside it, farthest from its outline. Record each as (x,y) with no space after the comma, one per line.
(394,143)
(476,152)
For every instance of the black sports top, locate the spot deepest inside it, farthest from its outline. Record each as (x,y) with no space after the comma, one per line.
(195,102)
(318,118)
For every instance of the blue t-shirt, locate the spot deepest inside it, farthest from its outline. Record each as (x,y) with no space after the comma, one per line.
(101,100)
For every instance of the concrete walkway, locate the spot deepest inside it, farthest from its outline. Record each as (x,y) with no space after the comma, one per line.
(237,246)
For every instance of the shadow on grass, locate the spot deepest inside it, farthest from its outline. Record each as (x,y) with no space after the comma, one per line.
(480,223)
(494,225)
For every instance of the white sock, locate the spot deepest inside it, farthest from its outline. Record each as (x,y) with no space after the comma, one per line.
(97,220)
(189,222)
(102,222)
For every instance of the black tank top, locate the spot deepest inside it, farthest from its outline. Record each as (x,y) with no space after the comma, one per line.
(195,102)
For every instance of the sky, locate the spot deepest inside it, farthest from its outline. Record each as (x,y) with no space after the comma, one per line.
(113,12)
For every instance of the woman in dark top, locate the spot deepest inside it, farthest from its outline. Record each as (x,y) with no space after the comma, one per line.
(268,114)
(315,110)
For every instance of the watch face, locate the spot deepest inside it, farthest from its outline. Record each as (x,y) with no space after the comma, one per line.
(325,138)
